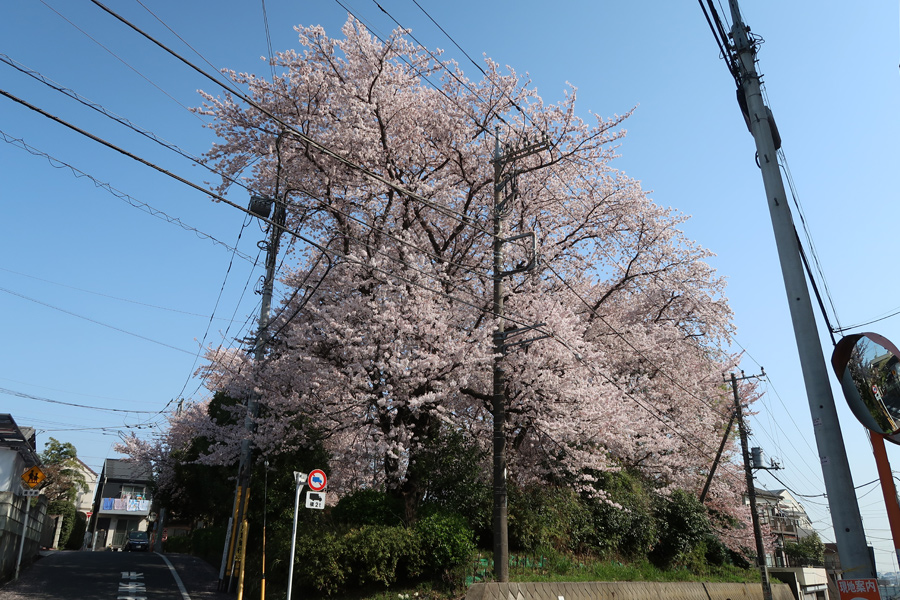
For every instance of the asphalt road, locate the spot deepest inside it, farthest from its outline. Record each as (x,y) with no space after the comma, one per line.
(115,576)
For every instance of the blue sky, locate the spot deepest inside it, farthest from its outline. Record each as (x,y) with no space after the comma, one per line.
(106,306)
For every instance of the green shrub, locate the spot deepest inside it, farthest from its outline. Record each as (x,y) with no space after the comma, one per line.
(76,537)
(383,554)
(207,543)
(809,550)
(323,560)
(446,542)
(548,516)
(449,474)
(683,524)
(66,511)
(627,530)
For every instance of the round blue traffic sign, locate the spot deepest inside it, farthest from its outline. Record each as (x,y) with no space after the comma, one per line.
(317,480)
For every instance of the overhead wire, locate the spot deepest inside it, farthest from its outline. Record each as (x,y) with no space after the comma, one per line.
(183,41)
(463,218)
(143,206)
(219,197)
(120,59)
(102,295)
(195,159)
(268,39)
(216,306)
(27,396)
(95,321)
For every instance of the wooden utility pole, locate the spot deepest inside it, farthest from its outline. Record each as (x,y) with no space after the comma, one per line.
(504,194)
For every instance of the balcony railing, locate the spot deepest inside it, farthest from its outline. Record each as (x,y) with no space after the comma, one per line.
(125,505)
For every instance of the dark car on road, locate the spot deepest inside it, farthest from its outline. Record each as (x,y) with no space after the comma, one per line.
(137,541)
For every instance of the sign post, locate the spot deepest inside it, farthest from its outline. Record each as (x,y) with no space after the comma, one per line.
(299,480)
(29,494)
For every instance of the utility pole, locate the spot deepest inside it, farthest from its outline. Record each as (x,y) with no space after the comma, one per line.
(261,207)
(751,487)
(848,528)
(505,191)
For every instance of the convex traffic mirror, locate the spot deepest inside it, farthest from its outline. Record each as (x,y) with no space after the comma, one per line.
(868,366)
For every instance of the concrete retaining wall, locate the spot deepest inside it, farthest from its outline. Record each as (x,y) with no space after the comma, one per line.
(12,517)
(635,590)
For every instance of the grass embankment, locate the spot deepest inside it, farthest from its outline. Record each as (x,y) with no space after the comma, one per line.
(559,568)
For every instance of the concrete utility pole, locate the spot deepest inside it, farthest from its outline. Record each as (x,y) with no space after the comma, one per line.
(504,193)
(242,492)
(262,207)
(751,487)
(848,528)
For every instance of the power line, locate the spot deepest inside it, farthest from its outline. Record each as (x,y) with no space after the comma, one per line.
(96,322)
(216,306)
(143,206)
(119,119)
(102,295)
(463,218)
(120,59)
(9,392)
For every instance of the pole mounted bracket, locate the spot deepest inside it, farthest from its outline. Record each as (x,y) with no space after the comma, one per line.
(531,259)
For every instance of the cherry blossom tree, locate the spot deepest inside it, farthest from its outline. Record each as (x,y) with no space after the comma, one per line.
(385,340)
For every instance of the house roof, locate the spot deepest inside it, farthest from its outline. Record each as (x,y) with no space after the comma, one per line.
(86,469)
(126,470)
(20,439)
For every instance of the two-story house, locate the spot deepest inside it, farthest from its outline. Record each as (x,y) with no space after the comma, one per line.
(121,504)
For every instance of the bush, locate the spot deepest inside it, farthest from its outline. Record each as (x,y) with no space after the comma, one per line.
(181,544)
(76,537)
(323,559)
(206,543)
(383,554)
(808,551)
(548,516)
(449,471)
(66,511)
(683,524)
(446,542)
(627,530)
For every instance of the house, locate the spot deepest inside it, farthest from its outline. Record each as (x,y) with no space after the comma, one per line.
(122,502)
(789,523)
(17,455)
(84,501)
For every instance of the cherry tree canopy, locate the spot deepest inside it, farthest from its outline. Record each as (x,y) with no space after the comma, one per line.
(387,339)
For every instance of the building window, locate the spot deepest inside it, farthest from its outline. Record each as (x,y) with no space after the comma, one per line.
(133,492)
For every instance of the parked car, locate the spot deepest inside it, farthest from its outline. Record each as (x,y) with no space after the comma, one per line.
(137,541)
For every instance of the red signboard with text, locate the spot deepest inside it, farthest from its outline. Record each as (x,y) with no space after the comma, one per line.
(862,589)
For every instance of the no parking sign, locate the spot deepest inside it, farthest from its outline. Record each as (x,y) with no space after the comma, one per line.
(317,480)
